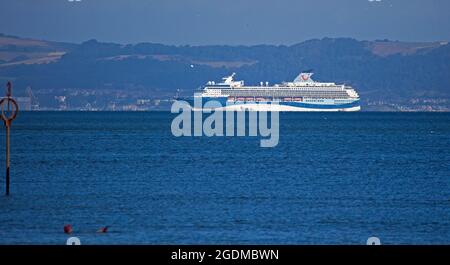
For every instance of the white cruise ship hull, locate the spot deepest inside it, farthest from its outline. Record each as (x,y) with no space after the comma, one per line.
(220,103)
(301,95)
(280,109)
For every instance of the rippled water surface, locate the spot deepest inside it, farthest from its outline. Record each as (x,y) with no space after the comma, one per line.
(335,178)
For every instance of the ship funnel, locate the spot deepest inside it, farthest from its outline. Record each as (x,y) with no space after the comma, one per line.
(304,78)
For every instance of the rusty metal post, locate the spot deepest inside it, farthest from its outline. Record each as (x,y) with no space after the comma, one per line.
(11,112)
(7,160)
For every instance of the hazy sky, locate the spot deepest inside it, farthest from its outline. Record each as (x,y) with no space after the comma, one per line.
(225,21)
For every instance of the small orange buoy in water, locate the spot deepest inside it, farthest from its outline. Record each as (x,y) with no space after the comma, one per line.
(68,229)
(103,229)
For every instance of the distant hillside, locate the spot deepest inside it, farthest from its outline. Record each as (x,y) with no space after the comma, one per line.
(15,51)
(387,48)
(380,70)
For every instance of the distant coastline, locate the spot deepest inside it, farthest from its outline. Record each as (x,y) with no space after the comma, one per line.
(389,75)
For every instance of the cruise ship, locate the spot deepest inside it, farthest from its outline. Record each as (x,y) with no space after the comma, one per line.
(302,94)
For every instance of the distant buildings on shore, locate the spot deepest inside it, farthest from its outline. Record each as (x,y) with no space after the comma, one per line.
(115,100)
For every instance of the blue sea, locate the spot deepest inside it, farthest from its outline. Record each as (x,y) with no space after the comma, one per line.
(334,178)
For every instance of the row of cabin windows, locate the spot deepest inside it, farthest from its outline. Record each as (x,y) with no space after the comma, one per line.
(281,88)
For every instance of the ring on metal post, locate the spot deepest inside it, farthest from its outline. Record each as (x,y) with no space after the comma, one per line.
(13,111)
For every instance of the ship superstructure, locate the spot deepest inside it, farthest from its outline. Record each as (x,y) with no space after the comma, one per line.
(302,94)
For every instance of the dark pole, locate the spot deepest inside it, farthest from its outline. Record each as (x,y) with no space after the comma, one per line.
(7,117)
(7,159)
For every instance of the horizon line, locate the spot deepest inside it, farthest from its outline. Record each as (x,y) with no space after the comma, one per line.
(203,45)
